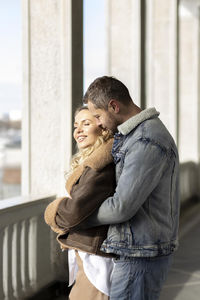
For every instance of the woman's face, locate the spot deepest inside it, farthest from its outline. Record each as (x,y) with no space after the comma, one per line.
(86,129)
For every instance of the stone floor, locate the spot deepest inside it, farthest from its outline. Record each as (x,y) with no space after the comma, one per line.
(183,282)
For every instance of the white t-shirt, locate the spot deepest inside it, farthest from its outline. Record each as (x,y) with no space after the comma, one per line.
(98,269)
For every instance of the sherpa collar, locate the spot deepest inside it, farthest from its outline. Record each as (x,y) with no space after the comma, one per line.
(126,127)
(100,158)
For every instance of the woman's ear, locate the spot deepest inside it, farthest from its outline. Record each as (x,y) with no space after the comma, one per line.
(113,106)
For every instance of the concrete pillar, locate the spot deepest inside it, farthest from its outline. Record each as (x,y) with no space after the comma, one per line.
(189,82)
(52,58)
(162,61)
(198,110)
(123,39)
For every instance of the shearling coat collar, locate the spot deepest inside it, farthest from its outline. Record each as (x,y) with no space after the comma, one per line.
(126,127)
(100,158)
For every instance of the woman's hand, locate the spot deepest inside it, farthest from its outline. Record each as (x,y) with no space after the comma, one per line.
(50,215)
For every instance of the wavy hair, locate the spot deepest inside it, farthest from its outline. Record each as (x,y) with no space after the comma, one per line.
(83,154)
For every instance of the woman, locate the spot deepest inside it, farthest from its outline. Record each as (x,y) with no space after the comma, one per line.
(90,181)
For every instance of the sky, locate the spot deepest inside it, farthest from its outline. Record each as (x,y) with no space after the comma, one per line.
(94,40)
(10,55)
(11,49)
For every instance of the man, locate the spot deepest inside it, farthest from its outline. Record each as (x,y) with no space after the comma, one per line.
(144,211)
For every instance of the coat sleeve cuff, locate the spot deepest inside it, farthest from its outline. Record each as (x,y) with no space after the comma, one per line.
(50,215)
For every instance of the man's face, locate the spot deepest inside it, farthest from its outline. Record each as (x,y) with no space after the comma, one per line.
(104,118)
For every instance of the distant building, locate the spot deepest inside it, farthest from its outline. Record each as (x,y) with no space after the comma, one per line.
(10,156)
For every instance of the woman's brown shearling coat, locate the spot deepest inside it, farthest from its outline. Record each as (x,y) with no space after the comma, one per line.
(89,185)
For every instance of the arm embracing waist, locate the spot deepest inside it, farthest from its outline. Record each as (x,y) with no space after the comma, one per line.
(92,188)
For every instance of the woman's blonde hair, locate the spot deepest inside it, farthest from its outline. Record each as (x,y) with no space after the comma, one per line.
(82,154)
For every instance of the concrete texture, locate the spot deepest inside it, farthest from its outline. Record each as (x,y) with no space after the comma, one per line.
(51,31)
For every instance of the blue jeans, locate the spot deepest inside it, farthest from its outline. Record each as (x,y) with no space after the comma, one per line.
(139,278)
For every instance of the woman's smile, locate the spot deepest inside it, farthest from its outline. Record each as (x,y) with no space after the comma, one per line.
(86,130)
(81,138)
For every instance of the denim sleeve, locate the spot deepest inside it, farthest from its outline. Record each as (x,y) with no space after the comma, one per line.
(144,165)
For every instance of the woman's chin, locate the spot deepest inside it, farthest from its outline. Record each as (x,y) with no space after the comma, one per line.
(82,146)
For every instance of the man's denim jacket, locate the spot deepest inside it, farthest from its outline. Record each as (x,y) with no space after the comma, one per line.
(144,211)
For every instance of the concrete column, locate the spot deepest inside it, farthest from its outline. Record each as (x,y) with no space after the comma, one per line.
(52,39)
(198,110)
(189,82)
(162,60)
(123,39)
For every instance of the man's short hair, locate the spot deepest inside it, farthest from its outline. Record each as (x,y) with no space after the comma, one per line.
(103,89)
